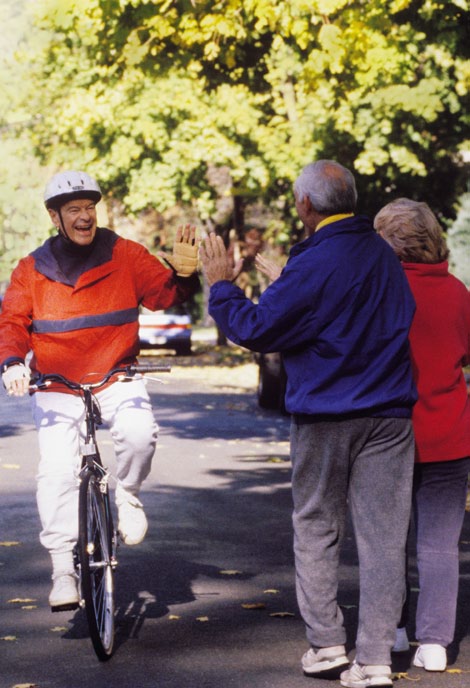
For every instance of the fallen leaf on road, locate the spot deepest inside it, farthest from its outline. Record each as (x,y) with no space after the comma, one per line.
(281,615)
(8,637)
(457,671)
(29,606)
(59,629)
(9,543)
(21,600)
(25,685)
(404,674)
(11,466)
(275,459)
(173,617)
(230,572)
(271,591)
(254,605)
(202,618)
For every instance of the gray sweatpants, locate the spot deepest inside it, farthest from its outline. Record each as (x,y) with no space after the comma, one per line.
(366,463)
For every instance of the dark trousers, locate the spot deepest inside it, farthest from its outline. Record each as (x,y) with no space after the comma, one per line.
(368,464)
(439,494)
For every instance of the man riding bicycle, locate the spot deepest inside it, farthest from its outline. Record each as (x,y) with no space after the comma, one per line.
(74,303)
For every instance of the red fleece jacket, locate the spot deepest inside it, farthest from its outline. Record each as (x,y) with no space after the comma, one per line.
(440,346)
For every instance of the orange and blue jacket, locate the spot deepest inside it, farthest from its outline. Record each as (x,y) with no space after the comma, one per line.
(89,326)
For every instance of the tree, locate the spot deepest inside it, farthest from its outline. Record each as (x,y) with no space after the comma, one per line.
(22,219)
(208,105)
(459,241)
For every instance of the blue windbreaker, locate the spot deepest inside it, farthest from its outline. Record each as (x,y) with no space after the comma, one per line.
(340,314)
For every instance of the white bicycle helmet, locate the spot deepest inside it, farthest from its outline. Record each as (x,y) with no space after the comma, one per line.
(66,186)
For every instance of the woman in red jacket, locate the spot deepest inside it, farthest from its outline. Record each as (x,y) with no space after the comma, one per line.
(440,347)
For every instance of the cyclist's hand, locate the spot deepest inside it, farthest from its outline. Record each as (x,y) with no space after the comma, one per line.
(185,252)
(16,380)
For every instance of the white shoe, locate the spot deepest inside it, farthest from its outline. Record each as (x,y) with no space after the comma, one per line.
(324,659)
(366,675)
(431,657)
(401,641)
(132,522)
(64,594)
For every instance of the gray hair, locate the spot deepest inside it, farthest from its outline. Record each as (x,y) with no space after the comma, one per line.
(413,231)
(329,186)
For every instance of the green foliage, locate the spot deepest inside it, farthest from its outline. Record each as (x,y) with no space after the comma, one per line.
(459,241)
(161,99)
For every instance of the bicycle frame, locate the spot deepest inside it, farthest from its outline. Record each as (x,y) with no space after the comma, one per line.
(97,542)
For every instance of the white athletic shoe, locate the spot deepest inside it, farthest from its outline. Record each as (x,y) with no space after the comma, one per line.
(324,659)
(366,676)
(401,641)
(132,522)
(431,657)
(64,594)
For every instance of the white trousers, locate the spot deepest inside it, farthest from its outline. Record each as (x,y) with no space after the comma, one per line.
(126,409)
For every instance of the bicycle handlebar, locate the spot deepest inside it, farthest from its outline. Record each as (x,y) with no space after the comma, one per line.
(128,371)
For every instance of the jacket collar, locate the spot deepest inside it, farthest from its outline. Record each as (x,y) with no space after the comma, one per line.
(357,224)
(46,263)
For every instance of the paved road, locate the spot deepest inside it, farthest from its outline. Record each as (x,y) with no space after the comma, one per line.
(219,504)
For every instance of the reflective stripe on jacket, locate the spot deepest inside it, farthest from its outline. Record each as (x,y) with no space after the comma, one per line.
(93,325)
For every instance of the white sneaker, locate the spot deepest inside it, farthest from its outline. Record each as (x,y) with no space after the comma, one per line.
(365,675)
(324,659)
(132,522)
(431,657)
(64,594)
(401,641)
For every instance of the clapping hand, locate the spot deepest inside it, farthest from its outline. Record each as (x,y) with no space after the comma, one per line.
(217,262)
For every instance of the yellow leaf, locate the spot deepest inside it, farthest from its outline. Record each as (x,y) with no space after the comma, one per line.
(11,466)
(457,671)
(25,685)
(59,629)
(254,605)
(271,591)
(8,637)
(281,615)
(230,572)
(173,617)
(21,600)
(29,606)
(202,618)
(9,543)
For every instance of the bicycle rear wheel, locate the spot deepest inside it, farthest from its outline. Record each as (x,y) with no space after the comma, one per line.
(95,553)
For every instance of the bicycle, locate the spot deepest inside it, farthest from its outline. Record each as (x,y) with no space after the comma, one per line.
(96,549)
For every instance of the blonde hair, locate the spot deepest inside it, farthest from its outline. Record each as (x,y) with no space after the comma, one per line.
(412,230)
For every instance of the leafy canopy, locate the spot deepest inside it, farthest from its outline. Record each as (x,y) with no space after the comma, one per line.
(195,101)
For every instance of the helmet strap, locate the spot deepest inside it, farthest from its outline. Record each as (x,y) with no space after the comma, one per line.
(61,227)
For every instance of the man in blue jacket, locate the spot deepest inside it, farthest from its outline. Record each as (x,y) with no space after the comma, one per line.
(339,313)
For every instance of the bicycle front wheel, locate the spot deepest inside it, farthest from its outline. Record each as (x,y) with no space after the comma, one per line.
(96,570)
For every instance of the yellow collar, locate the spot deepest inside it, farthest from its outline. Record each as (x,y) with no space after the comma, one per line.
(332,218)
